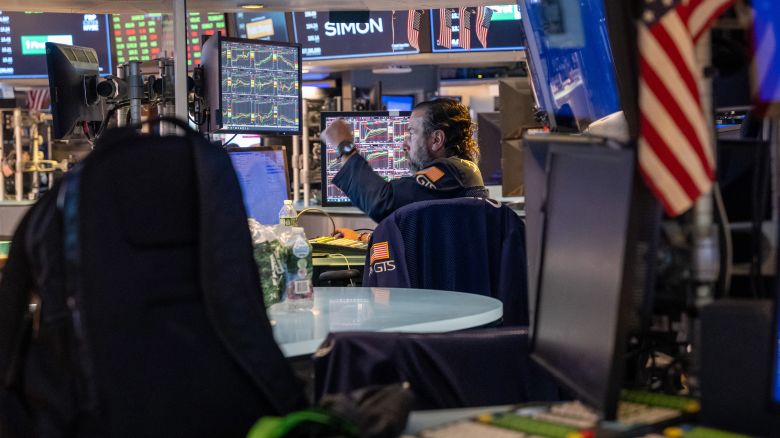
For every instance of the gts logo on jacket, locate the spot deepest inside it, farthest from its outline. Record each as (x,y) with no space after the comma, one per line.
(340,29)
(379,267)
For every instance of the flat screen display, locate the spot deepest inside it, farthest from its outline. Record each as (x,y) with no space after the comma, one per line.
(262,174)
(23,38)
(384,33)
(140,37)
(260,86)
(476,28)
(268,26)
(765,27)
(570,54)
(397,102)
(199,24)
(379,137)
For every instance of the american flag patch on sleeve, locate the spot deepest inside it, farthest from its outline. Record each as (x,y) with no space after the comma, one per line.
(379,251)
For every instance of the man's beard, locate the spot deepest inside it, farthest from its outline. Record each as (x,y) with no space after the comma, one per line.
(419,162)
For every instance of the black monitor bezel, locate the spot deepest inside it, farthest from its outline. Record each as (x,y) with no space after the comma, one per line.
(774,350)
(324,148)
(61,103)
(219,125)
(608,407)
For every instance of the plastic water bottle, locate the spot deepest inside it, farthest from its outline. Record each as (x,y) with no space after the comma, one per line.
(287,215)
(299,290)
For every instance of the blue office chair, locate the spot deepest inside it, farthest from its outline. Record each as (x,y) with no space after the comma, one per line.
(471,245)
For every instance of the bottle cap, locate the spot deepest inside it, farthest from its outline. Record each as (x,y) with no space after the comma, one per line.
(287,202)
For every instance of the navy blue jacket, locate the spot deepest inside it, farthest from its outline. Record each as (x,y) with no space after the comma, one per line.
(445,178)
(465,245)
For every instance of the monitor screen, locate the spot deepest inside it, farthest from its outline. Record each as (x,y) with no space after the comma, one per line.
(383,33)
(580,320)
(23,38)
(262,174)
(397,102)
(767,63)
(266,26)
(199,24)
(140,37)
(253,86)
(379,137)
(489,140)
(571,61)
(482,28)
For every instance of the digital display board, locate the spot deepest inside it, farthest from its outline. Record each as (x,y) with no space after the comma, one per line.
(385,33)
(268,26)
(260,86)
(23,38)
(478,28)
(198,24)
(140,37)
(379,137)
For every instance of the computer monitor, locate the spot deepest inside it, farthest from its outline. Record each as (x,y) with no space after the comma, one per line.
(379,137)
(489,140)
(392,102)
(252,86)
(23,38)
(263,176)
(595,269)
(73,75)
(571,62)
(266,26)
(766,22)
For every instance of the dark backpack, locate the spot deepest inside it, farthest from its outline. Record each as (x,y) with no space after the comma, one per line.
(147,315)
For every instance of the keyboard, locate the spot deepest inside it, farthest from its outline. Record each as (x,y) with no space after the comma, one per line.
(334,245)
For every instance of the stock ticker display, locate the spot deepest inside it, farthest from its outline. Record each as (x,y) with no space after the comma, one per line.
(260,87)
(23,38)
(379,139)
(138,37)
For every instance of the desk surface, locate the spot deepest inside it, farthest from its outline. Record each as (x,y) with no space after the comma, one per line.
(378,309)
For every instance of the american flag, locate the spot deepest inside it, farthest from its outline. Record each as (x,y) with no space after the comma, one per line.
(464,37)
(379,251)
(484,15)
(675,150)
(38,98)
(445,28)
(413,28)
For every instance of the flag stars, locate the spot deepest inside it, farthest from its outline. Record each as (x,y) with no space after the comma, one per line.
(648,16)
(667,3)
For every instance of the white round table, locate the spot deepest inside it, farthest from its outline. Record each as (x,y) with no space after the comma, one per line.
(378,309)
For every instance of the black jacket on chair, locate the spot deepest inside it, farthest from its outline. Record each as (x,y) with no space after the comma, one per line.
(180,342)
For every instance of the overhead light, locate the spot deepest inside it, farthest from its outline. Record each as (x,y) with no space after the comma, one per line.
(305,70)
(251,6)
(391,70)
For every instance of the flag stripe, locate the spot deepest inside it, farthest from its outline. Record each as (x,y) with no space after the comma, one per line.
(675,121)
(668,131)
(703,13)
(666,155)
(661,181)
(681,86)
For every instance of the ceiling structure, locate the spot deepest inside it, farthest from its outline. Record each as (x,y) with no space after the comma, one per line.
(147,6)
